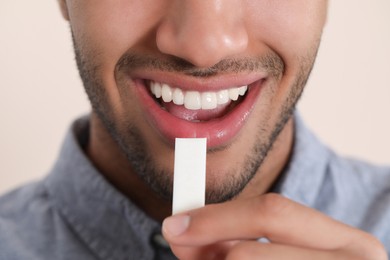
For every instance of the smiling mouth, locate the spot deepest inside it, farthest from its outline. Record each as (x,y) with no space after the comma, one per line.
(196,106)
(215,109)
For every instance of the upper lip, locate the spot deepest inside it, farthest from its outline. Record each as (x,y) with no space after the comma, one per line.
(201,84)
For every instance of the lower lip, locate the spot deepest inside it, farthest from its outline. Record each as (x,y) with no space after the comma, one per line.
(219,131)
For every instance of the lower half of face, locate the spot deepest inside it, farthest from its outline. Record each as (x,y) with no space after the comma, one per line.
(144,114)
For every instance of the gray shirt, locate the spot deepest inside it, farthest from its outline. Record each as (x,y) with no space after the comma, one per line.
(74,213)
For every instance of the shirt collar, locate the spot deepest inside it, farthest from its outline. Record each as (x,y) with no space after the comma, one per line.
(110,224)
(304,175)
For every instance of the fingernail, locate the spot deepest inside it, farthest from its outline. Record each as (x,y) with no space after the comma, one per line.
(176,225)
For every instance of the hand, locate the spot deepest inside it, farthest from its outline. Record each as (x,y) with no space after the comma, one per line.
(230,231)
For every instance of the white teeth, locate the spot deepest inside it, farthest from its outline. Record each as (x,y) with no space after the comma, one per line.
(233,94)
(209,100)
(222,96)
(157,90)
(178,97)
(166,93)
(242,90)
(152,87)
(194,100)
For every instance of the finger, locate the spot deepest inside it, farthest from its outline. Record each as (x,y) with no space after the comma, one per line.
(279,219)
(210,252)
(254,250)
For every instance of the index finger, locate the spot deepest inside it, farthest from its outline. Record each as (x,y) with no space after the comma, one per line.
(272,216)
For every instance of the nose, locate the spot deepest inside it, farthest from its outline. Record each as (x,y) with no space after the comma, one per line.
(202,32)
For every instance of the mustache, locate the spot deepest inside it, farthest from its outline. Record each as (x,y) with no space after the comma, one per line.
(270,63)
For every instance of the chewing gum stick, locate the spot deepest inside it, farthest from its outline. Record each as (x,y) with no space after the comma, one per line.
(189,181)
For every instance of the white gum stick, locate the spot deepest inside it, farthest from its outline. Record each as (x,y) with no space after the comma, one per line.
(189,183)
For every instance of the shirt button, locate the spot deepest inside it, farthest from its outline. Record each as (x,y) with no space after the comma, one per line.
(160,241)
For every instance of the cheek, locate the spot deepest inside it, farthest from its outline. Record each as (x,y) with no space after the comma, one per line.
(290,28)
(106,29)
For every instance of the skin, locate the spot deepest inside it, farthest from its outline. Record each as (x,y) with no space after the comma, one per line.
(203,35)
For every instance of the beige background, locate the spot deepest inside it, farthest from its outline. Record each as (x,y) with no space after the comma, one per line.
(347,102)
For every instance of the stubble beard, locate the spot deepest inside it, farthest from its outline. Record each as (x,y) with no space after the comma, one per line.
(128,136)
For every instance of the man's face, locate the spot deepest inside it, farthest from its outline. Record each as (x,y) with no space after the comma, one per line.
(228,70)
